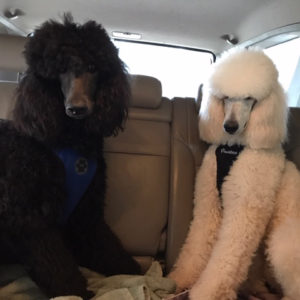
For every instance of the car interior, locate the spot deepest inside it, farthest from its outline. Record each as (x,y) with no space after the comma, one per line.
(152,164)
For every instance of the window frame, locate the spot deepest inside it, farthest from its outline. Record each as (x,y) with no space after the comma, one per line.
(172,46)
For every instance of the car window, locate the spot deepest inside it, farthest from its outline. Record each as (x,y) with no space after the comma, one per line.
(286,57)
(180,70)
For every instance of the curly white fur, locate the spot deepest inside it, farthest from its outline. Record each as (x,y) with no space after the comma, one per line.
(241,74)
(260,195)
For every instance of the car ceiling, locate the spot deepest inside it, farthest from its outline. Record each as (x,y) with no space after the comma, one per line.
(190,23)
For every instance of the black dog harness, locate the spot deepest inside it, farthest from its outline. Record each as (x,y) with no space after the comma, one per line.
(226,156)
(79,173)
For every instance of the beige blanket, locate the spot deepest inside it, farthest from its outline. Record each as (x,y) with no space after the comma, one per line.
(16,285)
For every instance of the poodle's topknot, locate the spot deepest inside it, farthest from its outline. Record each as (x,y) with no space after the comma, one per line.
(239,73)
(56,47)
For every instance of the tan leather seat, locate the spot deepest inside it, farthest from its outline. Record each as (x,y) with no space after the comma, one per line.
(7,99)
(11,58)
(138,161)
(186,156)
(151,169)
(11,61)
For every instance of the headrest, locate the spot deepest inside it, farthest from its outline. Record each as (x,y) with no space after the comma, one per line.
(146,91)
(11,57)
(7,99)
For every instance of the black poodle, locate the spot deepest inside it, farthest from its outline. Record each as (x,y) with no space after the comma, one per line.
(52,176)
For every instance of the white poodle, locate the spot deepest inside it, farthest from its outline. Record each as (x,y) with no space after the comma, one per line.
(247,195)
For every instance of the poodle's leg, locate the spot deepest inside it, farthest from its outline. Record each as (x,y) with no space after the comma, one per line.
(203,230)
(284,255)
(237,241)
(256,278)
(247,211)
(283,244)
(31,195)
(49,263)
(92,241)
(99,249)
(114,259)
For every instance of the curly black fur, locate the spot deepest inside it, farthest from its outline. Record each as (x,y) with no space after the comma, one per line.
(32,177)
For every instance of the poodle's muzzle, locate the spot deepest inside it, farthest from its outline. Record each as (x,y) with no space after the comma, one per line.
(237,113)
(79,93)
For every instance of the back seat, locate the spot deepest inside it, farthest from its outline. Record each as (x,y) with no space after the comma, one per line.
(151,170)
(151,164)
(138,162)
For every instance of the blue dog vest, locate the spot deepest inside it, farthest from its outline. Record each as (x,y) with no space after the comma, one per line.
(79,173)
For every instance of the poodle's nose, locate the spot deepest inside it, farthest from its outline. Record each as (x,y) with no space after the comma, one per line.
(231,127)
(77,111)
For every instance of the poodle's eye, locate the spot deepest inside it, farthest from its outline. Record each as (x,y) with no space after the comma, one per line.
(249,98)
(224,98)
(91,68)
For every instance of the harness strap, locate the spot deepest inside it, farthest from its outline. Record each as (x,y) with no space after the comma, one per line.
(226,156)
(79,172)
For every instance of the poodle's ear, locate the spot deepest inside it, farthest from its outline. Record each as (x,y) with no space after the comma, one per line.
(267,127)
(211,118)
(38,107)
(112,103)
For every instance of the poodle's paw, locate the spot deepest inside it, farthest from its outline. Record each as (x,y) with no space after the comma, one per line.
(182,282)
(87,295)
(90,295)
(253,298)
(130,266)
(199,292)
(265,296)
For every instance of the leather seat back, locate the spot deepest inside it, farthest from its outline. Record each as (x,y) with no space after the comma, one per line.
(292,146)
(138,162)
(11,63)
